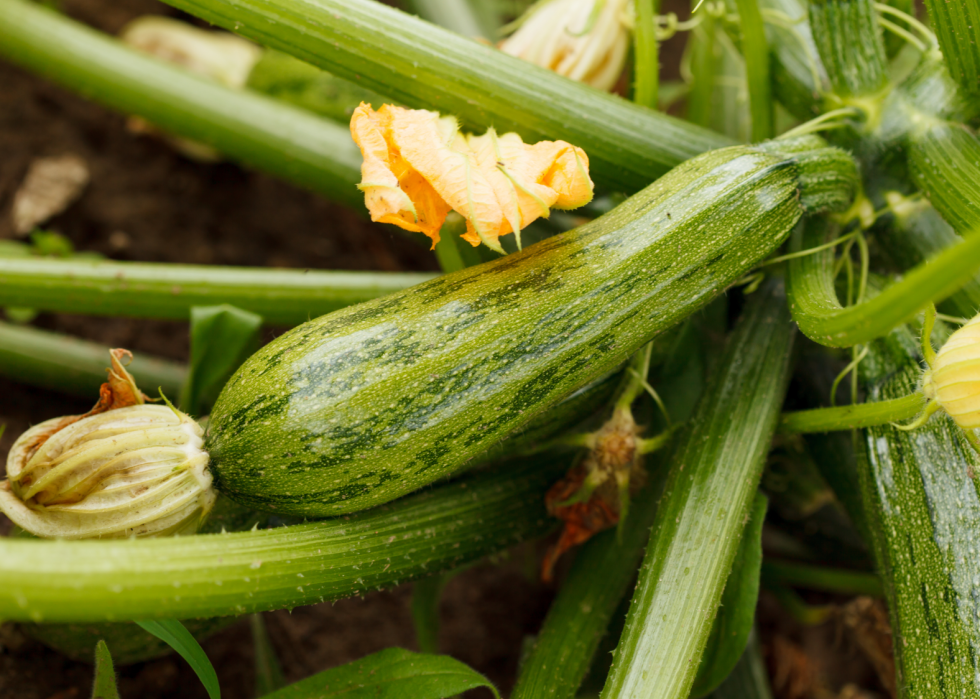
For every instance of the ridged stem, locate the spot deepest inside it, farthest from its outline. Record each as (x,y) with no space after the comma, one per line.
(422,65)
(144,290)
(256,131)
(755,50)
(222,574)
(957,26)
(917,233)
(646,61)
(819,314)
(713,478)
(600,576)
(798,77)
(703,68)
(849,40)
(78,367)
(945,162)
(848,417)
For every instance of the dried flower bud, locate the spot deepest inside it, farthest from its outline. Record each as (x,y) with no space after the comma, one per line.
(134,471)
(220,56)
(418,166)
(585,40)
(953,380)
(123,469)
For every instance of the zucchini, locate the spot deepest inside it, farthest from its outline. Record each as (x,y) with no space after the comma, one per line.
(921,503)
(363,405)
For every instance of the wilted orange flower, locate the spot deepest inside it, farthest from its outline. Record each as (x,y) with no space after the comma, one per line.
(418,166)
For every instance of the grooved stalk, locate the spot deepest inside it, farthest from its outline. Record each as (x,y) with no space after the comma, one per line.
(819,314)
(423,65)
(945,165)
(67,364)
(222,574)
(957,26)
(713,478)
(849,41)
(144,290)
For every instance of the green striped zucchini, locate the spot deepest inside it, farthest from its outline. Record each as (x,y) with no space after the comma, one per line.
(363,405)
(921,502)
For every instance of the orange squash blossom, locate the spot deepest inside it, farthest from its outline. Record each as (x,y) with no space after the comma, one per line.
(418,167)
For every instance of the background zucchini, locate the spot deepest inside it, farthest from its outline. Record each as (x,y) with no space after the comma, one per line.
(363,405)
(921,504)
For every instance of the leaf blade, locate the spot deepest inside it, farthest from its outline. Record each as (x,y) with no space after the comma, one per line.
(173,633)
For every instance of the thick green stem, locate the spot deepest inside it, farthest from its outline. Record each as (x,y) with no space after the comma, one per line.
(917,233)
(256,131)
(957,26)
(810,577)
(74,366)
(709,491)
(847,417)
(646,60)
(222,574)
(945,162)
(703,68)
(798,77)
(850,44)
(422,65)
(141,290)
(755,50)
(819,314)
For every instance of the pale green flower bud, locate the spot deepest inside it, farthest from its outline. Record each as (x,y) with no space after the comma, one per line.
(585,40)
(129,472)
(953,380)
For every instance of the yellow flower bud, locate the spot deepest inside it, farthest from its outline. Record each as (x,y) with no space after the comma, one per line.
(135,471)
(953,380)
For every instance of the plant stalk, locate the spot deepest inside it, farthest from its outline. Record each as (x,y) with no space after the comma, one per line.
(239,573)
(422,65)
(77,367)
(713,478)
(144,290)
(819,314)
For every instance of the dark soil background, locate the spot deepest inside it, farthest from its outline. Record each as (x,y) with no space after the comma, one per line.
(147,203)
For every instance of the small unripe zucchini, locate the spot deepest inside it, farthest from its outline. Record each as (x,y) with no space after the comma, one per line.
(363,405)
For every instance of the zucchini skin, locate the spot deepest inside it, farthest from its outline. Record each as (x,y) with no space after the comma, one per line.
(923,510)
(363,405)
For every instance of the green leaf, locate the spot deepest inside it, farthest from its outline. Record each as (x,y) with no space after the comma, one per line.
(173,633)
(268,671)
(104,686)
(222,337)
(730,632)
(749,679)
(394,673)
